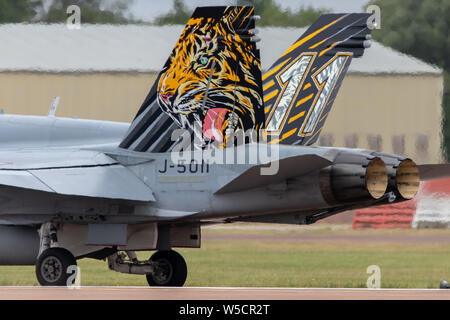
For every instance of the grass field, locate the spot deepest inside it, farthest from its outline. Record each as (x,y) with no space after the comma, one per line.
(269,262)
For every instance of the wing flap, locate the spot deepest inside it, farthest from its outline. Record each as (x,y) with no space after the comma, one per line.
(112,182)
(22,179)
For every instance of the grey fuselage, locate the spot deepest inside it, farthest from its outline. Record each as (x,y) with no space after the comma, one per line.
(182,192)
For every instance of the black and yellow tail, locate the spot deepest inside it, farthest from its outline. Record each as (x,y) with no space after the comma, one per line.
(300,87)
(210,84)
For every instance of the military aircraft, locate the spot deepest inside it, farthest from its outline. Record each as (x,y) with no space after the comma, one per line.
(73,189)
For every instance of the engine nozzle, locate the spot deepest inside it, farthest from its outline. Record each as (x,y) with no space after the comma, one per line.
(407,179)
(376,178)
(403,174)
(354,177)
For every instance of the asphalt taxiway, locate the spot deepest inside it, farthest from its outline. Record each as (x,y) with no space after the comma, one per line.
(203,293)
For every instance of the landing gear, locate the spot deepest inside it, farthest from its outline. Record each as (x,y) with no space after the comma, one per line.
(52,267)
(169,269)
(56,266)
(164,268)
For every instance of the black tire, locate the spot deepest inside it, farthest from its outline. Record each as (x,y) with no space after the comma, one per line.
(51,267)
(172,270)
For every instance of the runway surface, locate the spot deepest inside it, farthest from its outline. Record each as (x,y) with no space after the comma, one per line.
(186,293)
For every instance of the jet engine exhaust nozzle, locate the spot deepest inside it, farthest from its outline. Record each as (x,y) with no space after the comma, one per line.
(403,174)
(376,178)
(407,179)
(354,178)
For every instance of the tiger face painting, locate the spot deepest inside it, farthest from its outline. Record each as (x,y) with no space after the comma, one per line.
(213,77)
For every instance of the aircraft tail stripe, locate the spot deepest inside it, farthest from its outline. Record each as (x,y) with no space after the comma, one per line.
(156,122)
(274,141)
(270,95)
(139,117)
(316,133)
(307,98)
(312,35)
(301,114)
(346,28)
(163,139)
(246,17)
(150,139)
(149,116)
(323,117)
(333,40)
(329,48)
(318,43)
(239,13)
(274,70)
(168,146)
(288,134)
(267,86)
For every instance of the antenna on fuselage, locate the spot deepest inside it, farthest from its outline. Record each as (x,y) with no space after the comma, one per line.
(53,107)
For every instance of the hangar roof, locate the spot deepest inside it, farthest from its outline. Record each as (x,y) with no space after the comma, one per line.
(142,48)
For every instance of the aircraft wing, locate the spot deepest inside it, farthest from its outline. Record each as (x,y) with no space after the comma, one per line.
(72,172)
(287,168)
(434,171)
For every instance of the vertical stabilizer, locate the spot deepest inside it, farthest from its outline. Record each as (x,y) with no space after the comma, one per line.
(300,87)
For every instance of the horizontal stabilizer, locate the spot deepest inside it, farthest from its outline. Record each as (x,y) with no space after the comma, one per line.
(434,171)
(287,168)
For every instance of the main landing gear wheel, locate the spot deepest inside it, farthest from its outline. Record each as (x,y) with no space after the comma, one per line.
(170,269)
(51,267)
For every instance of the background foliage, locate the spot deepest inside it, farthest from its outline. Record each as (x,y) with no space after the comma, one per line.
(93,11)
(270,12)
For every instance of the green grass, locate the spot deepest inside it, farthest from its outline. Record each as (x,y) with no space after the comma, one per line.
(285,264)
(317,265)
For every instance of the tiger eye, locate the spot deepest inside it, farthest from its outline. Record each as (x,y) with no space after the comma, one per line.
(203,60)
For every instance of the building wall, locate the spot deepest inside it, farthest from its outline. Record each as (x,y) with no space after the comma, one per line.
(103,96)
(399,114)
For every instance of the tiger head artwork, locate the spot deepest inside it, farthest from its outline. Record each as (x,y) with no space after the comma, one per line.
(213,77)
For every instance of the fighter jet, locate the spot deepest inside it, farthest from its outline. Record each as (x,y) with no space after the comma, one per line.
(214,141)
